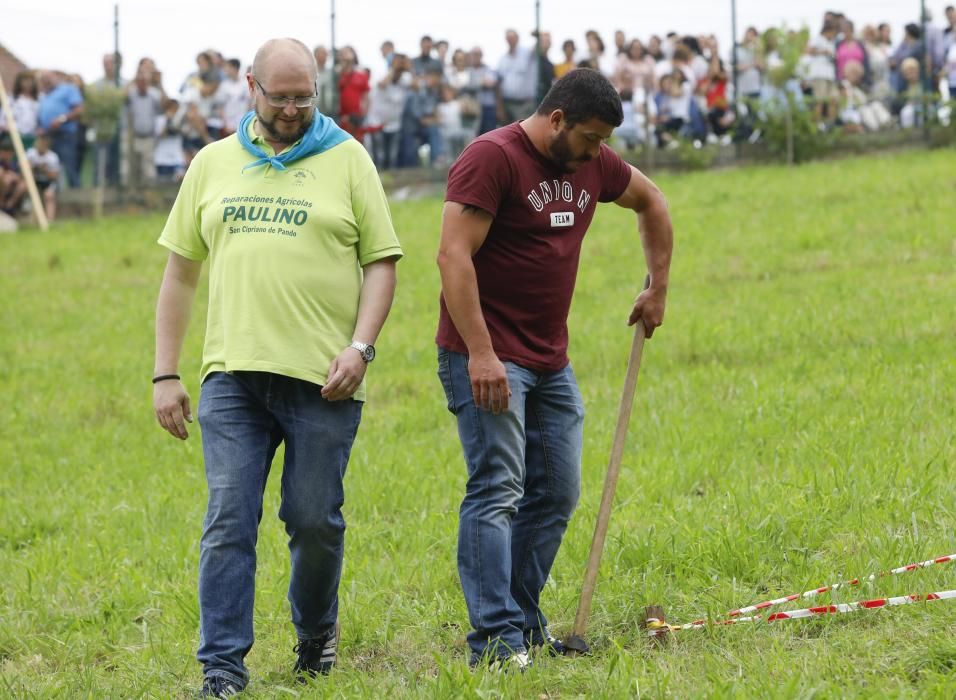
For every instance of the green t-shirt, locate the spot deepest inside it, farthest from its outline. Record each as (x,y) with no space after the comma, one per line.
(286,250)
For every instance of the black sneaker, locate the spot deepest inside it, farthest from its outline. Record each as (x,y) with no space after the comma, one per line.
(547,643)
(218,687)
(316,656)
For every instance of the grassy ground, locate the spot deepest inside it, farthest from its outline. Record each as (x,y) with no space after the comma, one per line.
(794,426)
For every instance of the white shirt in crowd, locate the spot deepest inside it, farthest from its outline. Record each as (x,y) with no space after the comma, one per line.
(169,147)
(821,66)
(26,112)
(49,160)
(234,96)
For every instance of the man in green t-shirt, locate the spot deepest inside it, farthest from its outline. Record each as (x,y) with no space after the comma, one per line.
(291,214)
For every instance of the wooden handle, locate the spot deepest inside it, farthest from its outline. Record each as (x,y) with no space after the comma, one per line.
(38,211)
(610,481)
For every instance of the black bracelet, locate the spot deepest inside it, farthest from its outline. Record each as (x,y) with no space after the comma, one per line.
(164,377)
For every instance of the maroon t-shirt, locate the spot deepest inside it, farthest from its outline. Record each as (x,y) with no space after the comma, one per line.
(528,264)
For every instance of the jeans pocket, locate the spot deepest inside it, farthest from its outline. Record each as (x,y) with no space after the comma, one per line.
(444,376)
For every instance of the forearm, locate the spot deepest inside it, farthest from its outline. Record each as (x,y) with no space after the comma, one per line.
(172,318)
(378,290)
(459,285)
(657,239)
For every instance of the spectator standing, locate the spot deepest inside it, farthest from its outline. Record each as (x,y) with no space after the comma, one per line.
(354,88)
(949,67)
(545,67)
(634,68)
(484,85)
(144,103)
(424,61)
(61,105)
(821,72)
(169,156)
(46,173)
(749,65)
(518,78)
(455,135)
(598,58)
(420,120)
(387,49)
(620,43)
(234,96)
(324,87)
(568,64)
(201,115)
(441,52)
(878,57)
(851,49)
(25,107)
(387,103)
(113,151)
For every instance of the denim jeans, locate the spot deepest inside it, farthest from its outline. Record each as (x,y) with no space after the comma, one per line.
(244,416)
(524,479)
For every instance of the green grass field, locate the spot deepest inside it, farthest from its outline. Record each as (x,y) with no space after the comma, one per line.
(793,427)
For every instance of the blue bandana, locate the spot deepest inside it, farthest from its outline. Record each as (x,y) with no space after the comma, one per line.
(322,135)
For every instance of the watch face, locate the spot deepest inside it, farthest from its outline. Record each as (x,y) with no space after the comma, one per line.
(368,354)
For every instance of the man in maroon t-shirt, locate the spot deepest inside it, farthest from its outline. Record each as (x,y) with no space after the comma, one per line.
(518,204)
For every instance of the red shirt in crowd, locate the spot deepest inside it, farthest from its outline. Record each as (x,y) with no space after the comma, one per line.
(527,266)
(353,86)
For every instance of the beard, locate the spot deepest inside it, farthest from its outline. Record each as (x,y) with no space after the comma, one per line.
(562,155)
(284,137)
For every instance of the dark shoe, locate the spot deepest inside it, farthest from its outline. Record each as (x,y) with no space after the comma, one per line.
(218,687)
(316,656)
(546,643)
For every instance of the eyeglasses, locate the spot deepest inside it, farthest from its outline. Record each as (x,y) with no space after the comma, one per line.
(280,101)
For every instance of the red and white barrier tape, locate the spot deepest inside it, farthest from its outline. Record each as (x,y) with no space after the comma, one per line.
(656,627)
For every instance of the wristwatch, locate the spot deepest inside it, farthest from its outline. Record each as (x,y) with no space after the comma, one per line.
(367,350)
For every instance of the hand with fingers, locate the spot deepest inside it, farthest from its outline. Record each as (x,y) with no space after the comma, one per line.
(489,382)
(649,308)
(345,375)
(171,403)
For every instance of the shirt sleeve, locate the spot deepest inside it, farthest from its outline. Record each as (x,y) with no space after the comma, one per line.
(479,177)
(183,231)
(615,175)
(377,239)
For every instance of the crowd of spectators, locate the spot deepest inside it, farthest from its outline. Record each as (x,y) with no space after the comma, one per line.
(431,102)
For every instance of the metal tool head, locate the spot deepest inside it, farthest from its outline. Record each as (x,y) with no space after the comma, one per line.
(576,646)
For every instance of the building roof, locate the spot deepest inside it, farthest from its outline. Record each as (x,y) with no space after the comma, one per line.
(10,65)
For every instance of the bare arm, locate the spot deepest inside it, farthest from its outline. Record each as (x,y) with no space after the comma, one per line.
(463,230)
(657,239)
(348,368)
(176,294)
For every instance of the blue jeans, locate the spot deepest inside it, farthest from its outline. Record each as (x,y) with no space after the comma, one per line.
(524,479)
(244,416)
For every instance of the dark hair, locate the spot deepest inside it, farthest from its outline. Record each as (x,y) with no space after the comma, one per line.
(18,84)
(691,43)
(567,42)
(913,30)
(583,94)
(234,62)
(592,34)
